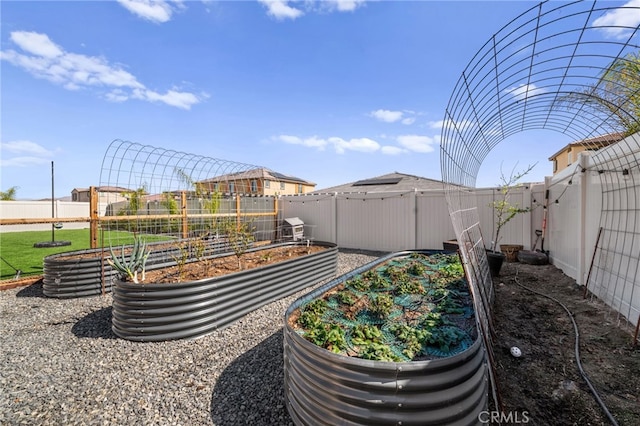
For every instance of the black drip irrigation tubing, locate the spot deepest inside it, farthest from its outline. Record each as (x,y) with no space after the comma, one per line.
(577,351)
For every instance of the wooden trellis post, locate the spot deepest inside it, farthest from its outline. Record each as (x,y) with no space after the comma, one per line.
(93,217)
(183,209)
(238,221)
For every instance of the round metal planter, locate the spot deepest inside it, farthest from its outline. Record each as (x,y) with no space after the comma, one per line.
(82,273)
(324,388)
(157,312)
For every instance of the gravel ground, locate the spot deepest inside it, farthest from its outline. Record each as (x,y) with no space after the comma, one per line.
(60,364)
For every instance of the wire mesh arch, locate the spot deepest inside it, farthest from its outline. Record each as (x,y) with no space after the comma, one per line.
(569,67)
(172,194)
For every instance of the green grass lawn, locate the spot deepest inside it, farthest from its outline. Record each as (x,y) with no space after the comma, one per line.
(17,249)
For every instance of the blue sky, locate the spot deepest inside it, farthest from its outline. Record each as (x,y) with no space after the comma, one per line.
(328,91)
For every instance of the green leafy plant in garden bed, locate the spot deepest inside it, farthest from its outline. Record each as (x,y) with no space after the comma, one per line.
(415,307)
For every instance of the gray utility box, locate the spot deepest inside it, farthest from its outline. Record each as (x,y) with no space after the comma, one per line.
(292,229)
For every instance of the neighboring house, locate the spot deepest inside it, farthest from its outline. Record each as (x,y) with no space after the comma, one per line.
(106,194)
(259,181)
(390,182)
(569,154)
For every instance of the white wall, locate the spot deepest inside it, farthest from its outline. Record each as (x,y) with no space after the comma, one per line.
(42,209)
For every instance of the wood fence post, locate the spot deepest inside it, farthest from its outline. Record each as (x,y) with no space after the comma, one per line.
(93,217)
(275,217)
(183,209)
(238,221)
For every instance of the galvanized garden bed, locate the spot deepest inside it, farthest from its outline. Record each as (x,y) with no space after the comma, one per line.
(83,273)
(181,310)
(334,384)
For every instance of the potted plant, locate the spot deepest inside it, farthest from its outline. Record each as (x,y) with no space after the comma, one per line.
(504,211)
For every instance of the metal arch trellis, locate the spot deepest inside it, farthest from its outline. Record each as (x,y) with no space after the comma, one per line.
(152,191)
(553,68)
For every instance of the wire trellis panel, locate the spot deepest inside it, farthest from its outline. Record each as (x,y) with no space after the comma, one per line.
(175,195)
(570,67)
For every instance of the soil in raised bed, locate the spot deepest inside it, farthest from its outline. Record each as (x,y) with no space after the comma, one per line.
(201,269)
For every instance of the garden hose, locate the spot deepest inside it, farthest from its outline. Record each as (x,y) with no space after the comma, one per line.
(577,351)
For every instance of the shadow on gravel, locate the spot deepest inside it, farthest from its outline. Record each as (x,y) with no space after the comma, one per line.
(96,325)
(251,389)
(33,290)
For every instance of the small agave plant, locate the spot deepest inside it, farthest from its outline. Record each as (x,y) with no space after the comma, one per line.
(129,268)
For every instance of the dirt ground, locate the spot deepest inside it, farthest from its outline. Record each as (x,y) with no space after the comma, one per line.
(544,386)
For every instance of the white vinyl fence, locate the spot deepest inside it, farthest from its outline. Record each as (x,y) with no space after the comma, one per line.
(594,227)
(42,209)
(394,221)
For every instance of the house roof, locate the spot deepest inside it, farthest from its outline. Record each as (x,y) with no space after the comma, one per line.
(595,142)
(103,189)
(257,173)
(390,182)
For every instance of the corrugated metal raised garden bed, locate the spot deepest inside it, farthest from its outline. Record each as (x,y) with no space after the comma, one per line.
(166,306)
(393,342)
(83,273)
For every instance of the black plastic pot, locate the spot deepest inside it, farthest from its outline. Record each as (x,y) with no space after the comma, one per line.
(495,259)
(157,312)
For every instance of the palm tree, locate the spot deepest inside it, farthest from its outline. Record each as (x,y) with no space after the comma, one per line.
(617,93)
(9,194)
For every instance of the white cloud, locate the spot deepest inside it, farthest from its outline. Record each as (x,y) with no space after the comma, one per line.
(619,23)
(312,142)
(44,59)
(343,5)
(117,95)
(358,144)
(25,147)
(23,161)
(386,115)
(182,100)
(417,143)
(393,150)
(158,11)
(29,153)
(436,124)
(340,145)
(284,9)
(405,117)
(281,10)
(35,43)
(406,144)
(463,124)
(524,91)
